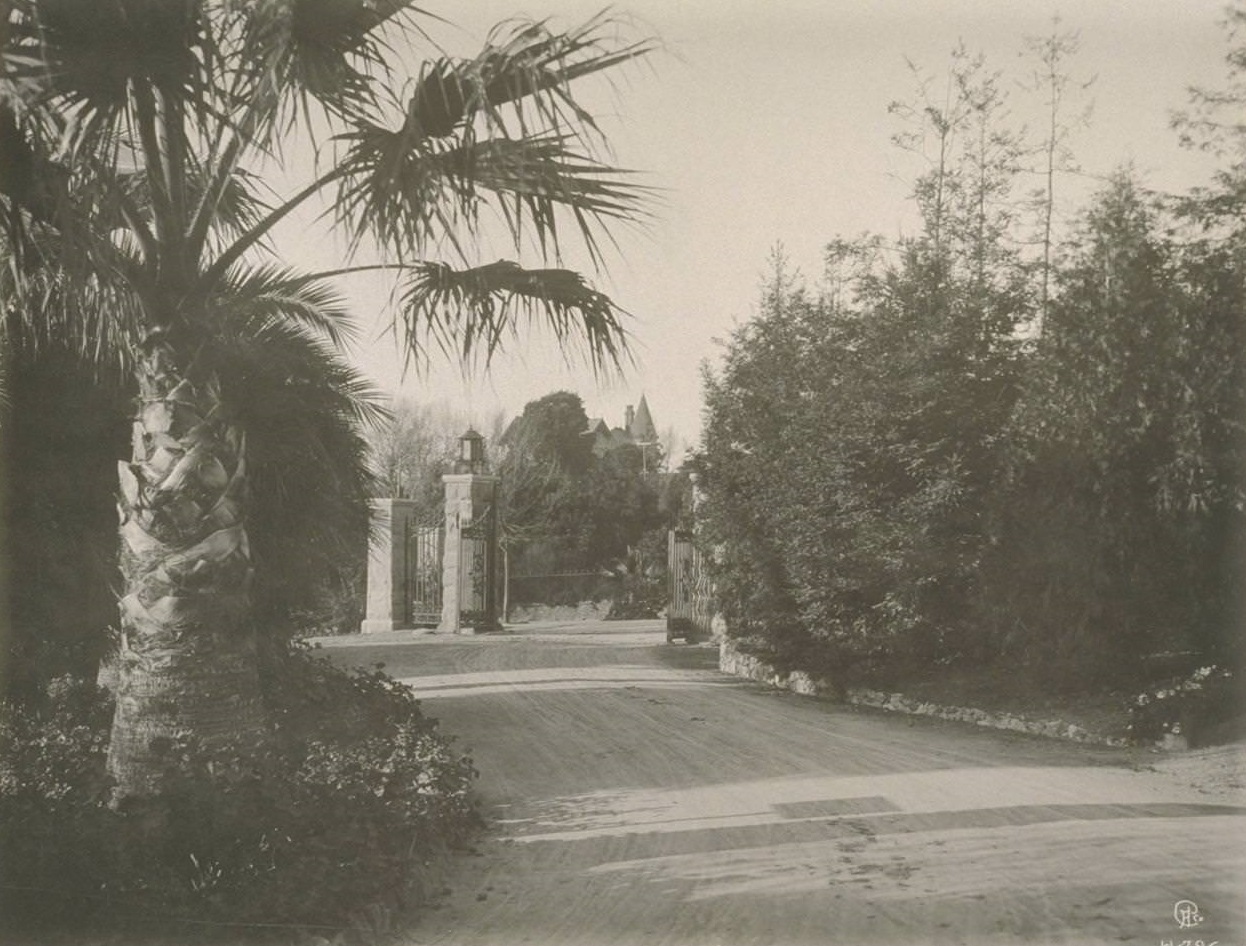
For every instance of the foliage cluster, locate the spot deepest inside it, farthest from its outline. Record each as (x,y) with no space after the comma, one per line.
(567,509)
(952,449)
(847,460)
(1119,526)
(639,580)
(357,791)
(1191,706)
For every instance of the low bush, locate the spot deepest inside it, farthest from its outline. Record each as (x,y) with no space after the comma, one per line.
(357,793)
(638,601)
(1194,706)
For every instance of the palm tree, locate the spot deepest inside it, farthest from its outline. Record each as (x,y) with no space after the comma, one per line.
(132,138)
(304,413)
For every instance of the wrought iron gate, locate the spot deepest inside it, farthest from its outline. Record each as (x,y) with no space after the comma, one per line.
(477,563)
(690,610)
(425,547)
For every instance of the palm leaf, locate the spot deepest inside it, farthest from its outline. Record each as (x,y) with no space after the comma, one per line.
(469,312)
(534,177)
(497,128)
(298,367)
(238,206)
(98,319)
(303,410)
(411,193)
(393,189)
(303,51)
(257,298)
(522,60)
(87,53)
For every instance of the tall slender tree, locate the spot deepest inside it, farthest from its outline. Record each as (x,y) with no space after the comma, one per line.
(1050,77)
(133,134)
(932,128)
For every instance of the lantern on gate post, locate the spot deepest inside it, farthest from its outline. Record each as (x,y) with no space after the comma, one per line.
(471,457)
(469,597)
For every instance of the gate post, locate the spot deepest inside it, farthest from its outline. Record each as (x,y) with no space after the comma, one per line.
(469,563)
(387,607)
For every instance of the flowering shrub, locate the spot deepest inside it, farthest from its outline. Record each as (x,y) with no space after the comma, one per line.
(356,793)
(1185,706)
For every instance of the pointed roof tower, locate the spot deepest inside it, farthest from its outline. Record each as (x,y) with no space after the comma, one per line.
(641,427)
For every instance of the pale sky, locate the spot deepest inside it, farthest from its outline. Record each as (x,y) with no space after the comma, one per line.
(767,122)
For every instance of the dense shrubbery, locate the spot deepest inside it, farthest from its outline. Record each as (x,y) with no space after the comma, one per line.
(567,509)
(902,479)
(849,452)
(358,790)
(1118,522)
(939,456)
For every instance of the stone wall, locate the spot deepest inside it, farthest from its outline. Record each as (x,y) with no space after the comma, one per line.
(733,661)
(739,664)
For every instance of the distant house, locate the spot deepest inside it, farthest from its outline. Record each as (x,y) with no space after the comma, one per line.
(638,429)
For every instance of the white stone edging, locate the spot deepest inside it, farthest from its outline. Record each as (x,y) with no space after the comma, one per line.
(731,660)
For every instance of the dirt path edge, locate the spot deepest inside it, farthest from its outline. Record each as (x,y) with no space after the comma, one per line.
(733,661)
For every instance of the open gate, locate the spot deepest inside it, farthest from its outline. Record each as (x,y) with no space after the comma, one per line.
(477,565)
(690,609)
(425,546)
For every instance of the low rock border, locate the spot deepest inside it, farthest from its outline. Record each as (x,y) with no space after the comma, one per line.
(739,664)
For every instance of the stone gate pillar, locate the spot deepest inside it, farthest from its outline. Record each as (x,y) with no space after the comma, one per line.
(387,605)
(469,599)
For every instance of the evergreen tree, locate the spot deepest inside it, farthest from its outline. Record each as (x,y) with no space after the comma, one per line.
(1127,443)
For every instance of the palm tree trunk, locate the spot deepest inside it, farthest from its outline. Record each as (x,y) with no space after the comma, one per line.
(187,660)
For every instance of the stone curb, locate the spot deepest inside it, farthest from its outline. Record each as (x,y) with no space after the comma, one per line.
(732,661)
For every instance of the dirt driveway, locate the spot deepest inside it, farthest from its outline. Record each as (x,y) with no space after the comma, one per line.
(638,796)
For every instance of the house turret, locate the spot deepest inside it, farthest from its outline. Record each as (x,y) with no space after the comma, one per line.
(640,423)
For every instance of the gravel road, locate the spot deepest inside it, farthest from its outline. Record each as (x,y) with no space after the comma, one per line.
(638,796)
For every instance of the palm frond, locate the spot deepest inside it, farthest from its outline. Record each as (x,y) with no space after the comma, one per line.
(237,206)
(535,177)
(304,51)
(392,188)
(275,65)
(86,57)
(496,130)
(29,179)
(298,366)
(70,255)
(303,410)
(523,64)
(259,297)
(410,193)
(97,319)
(469,313)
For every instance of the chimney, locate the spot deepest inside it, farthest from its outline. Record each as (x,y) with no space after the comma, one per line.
(629,417)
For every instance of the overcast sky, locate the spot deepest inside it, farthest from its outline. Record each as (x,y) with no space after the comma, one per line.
(767,122)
